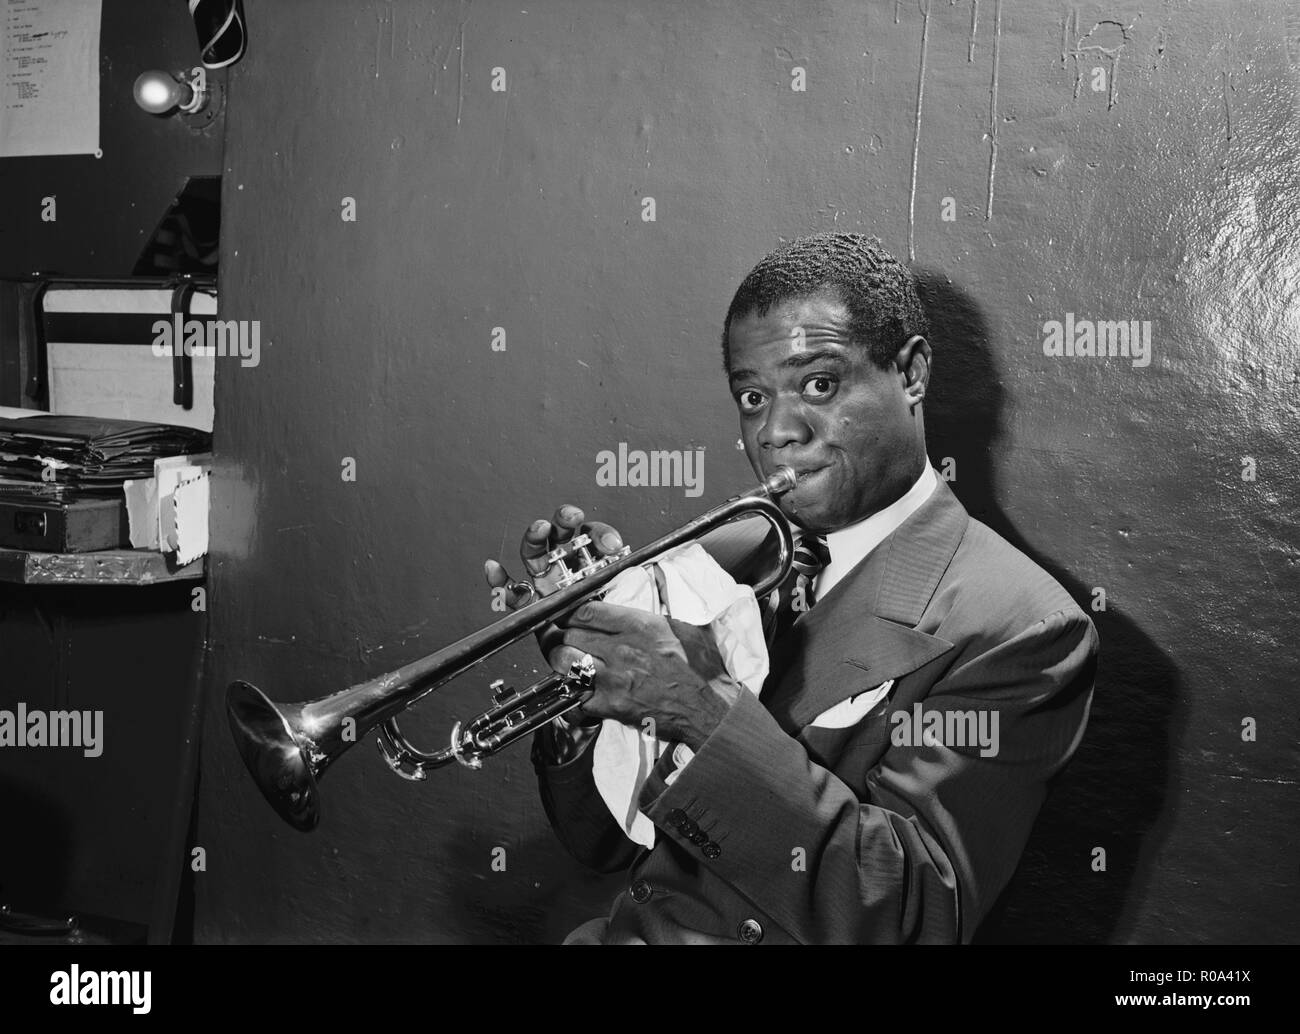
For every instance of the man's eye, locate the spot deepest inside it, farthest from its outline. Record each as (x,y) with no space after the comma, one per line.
(821,387)
(749,400)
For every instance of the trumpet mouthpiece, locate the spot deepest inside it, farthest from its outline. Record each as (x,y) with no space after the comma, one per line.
(780,481)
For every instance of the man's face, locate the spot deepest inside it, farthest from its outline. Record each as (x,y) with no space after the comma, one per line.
(811,399)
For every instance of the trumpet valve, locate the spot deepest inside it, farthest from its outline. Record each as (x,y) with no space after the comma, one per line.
(582,546)
(501,692)
(578,551)
(565,550)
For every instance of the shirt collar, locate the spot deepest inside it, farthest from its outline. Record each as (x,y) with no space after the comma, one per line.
(848,546)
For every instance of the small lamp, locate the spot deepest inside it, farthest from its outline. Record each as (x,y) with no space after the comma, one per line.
(161,93)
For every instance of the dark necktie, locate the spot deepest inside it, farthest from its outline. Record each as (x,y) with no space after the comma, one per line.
(796,594)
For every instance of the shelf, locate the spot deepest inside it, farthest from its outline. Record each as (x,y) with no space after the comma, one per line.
(106,567)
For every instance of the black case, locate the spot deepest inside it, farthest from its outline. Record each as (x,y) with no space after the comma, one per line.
(64,527)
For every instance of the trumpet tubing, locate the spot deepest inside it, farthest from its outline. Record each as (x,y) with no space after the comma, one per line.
(288,747)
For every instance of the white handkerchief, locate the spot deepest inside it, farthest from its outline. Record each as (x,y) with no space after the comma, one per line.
(701,593)
(853,710)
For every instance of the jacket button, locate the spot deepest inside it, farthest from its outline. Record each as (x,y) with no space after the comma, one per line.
(750,931)
(676,817)
(711,850)
(699,837)
(688,828)
(640,891)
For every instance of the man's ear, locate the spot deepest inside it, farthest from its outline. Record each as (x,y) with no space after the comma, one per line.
(914,363)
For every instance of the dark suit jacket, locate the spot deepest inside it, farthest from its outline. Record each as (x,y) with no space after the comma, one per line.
(824,835)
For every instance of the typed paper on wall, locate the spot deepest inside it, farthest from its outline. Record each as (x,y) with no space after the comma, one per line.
(49,77)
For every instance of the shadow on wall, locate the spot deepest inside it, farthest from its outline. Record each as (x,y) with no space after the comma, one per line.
(1112,793)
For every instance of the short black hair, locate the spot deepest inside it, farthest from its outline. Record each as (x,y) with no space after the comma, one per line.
(877,289)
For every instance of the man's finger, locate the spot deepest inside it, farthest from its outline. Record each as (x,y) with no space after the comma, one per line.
(584,642)
(568,518)
(535,546)
(604,536)
(517,593)
(593,706)
(605,617)
(561,657)
(496,575)
(550,637)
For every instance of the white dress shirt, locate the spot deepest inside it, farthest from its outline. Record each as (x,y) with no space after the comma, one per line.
(849,546)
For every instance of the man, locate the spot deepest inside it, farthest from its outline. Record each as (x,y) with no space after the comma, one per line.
(883,786)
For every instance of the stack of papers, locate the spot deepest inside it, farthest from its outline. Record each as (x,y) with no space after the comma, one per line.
(68,457)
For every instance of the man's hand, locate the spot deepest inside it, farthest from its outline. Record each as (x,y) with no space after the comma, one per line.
(649,666)
(542,579)
(541,537)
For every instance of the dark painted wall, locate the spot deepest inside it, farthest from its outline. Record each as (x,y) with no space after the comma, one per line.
(107,207)
(1169,195)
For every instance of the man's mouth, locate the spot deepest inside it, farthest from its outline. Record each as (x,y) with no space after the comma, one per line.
(803,475)
(805,481)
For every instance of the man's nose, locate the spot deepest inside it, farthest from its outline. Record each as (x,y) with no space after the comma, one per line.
(785,425)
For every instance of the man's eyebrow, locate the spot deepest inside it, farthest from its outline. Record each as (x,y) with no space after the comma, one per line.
(799,359)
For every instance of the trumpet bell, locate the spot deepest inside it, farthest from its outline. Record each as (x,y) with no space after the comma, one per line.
(274,754)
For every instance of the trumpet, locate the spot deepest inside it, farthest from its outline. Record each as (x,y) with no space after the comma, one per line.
(288,747)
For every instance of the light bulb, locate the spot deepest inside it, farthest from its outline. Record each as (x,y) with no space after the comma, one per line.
(158,93)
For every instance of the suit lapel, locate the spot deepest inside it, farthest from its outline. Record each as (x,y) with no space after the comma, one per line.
(863,632)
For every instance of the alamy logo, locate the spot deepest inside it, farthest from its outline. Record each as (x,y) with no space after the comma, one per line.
(209,338)
(1104,339)
(24,728)
(638,468)
(124,987)
(933,728)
